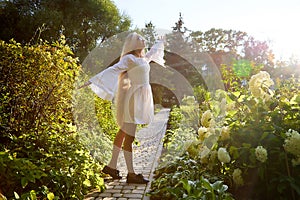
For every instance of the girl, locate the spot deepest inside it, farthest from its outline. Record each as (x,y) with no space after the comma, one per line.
(130,78)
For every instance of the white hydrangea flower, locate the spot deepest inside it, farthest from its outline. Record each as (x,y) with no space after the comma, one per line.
(202,133)
(259,85)
(205,133)
(206,119)
(292,145)
(224,133)
(223,155)
(296,161)
(190,100)
(237,177)
(204,153)
(261,154)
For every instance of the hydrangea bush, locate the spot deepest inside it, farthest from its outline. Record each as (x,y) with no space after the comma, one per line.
(247,140)
(254,131)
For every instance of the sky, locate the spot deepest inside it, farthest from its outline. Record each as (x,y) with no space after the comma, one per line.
(276,21)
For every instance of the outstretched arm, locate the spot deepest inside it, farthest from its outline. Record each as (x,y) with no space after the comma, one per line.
(84,85)
(156,53)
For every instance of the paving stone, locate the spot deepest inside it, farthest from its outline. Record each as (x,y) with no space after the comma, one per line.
(105,194)
(113,191)
(136,191)
(138,196)
(140,187)
(129,187)
(120,187)
(109,198)
(126,191)
(118,195)
(93,194)
(90,198)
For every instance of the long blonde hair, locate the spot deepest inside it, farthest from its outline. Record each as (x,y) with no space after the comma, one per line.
(133,42)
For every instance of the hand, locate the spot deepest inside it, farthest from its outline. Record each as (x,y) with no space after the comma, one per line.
(162,38)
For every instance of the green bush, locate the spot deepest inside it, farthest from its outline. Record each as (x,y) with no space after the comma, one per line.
(40,152)
(248,142)
(107,121)
(179,174)
(95,121)
(253,132)
(175,117)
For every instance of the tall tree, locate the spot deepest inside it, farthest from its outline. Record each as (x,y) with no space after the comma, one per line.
(225,45)
(149,33)
(84,23)
(177,41)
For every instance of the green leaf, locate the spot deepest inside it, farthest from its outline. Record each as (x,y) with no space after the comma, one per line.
(219,187)
(234,152)
(295,99)
(264,135)
(33,195)
(246,145)
(186,185)
(236,94)
(24,182)
(207,184)
(87,182)
(50,196)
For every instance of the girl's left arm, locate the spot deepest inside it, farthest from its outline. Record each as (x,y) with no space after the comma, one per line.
(156,53)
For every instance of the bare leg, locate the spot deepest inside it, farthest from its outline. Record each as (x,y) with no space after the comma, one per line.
(128,152)
(127,145)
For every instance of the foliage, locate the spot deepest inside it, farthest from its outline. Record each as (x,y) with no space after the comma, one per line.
(237,72)
(224,44)
(95,122)
(200,94)
(175,117)
(104,112)
(248,140)
(251,127)
(185,116)
(40,154)
(179,175)
(149,33)
(83,22)
(184,178)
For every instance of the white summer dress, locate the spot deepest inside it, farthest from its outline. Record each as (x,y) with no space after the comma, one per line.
(128,81)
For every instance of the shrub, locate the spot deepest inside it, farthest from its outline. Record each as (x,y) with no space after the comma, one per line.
(179,174)
(252,126)
(40,154)
(248,141)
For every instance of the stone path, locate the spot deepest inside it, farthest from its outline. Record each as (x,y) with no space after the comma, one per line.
(145,156)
